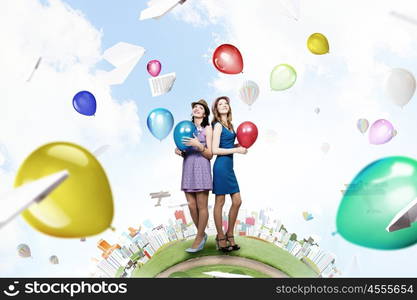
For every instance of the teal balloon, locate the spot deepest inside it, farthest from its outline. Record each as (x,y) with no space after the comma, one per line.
(160,122)
(182,130)
(373,199)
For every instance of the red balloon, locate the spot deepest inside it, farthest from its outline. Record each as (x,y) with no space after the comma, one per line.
(227,59)
(247,133)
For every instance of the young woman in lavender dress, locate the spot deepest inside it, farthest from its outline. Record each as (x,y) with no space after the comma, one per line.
(196,171)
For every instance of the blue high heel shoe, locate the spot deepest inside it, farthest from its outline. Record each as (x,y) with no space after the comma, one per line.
(200,246)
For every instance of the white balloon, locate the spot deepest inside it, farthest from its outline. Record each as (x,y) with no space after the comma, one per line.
(249,92)
(400,86)
(325,147)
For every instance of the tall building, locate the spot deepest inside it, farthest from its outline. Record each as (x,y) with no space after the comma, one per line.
(106,268)
(211,227)
(103,245)
(325,261)
(132,231)
(250,221)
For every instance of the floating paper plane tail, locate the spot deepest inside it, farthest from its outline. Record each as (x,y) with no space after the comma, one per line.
(404,218)
(159,8)
(13,203)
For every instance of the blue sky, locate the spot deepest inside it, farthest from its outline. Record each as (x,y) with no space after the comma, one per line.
(288,173)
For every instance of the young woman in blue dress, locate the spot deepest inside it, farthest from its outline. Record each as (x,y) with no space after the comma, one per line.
(224,179)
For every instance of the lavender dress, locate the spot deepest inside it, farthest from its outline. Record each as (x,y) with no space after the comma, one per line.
(196,169)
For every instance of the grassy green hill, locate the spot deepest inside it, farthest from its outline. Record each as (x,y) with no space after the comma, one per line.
(259,250)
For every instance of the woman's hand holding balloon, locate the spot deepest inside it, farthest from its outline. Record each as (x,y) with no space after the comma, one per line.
(241,150)
(193,142)
(179,152)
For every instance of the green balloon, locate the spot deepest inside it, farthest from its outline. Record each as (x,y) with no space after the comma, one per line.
(282,77)
(373,199)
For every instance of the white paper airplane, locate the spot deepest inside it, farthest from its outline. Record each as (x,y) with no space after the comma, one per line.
(404,17)
(161,84)
(16,201)
(159,8)
(124,57)
(102,149)
(219,274)
(34,69)
(404,218)
(159,196)
(292,8)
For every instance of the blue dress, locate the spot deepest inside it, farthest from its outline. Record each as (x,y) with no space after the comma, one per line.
(224,179)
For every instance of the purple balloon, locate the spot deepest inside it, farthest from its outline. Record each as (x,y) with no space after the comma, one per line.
(154,67)
(381,132)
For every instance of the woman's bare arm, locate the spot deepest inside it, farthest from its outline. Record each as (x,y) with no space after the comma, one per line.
(216,142)
(207,153)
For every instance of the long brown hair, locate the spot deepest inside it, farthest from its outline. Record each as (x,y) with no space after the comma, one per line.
(216,114)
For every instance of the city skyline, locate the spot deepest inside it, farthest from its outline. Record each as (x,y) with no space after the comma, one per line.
(136,248)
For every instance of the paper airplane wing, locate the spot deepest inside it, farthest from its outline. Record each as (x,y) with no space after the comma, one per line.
(119,74)
(404,218)
(22,197)
(158,8)
(124,57)
(162,84)
(99,151)
(160,195)
(122,52)
(292,8)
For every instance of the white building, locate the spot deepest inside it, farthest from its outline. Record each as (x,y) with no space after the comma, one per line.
(107,269)
(325,261)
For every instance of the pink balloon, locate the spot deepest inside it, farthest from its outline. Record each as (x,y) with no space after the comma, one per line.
(154,67)
(381,132)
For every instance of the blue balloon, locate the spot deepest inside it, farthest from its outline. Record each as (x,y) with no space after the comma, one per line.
(160,122)
(85,103)
(182,130)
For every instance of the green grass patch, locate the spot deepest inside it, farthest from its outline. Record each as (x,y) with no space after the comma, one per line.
(255,249)
(119,272)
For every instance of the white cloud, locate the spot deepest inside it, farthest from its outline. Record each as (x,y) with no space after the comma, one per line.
(40,111)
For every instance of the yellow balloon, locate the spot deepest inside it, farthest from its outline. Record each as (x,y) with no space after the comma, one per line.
(317,43)
(82,205)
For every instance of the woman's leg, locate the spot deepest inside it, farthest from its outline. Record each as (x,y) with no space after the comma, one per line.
(218,209)
(233,212)
(202,199)
(192,205)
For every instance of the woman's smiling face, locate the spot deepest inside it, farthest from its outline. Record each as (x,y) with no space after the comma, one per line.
(223,106)
(198,111)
